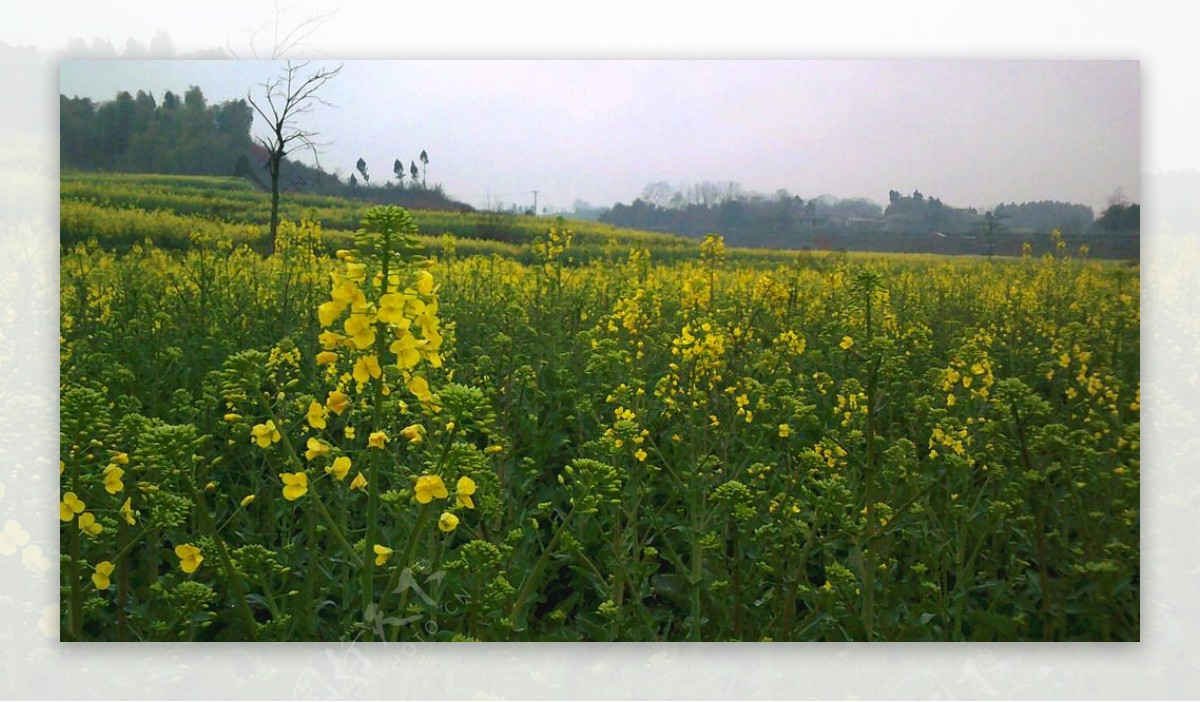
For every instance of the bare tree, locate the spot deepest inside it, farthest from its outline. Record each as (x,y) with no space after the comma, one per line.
(284,37)
(284,99)
(657,193)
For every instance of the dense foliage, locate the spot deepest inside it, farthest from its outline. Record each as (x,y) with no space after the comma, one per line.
(140,134)
(401,443)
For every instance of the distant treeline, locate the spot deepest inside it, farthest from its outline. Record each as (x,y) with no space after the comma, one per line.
(188,136)
(139,134)
(908,223)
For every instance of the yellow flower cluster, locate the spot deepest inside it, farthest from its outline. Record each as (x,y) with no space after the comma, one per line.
(953,439)
(556,243)
(406,311)
(712,249)
(430,487)
(632,314)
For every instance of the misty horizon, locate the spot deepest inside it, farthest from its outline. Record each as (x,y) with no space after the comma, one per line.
(971,133)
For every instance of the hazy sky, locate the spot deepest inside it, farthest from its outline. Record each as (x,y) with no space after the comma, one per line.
(973,133)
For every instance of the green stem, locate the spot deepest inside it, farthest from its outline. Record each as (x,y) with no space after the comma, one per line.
(122,583)
(235,581)
(694,582)
(310,575)
(269,593)
(333,527)
(293,458)
(517,616)
(368,574)
(76,620)
(406,562)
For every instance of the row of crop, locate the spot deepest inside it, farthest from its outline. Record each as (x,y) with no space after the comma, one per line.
(235,200)
(123,226)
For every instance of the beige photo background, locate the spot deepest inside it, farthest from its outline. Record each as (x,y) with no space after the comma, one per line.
(1160,34)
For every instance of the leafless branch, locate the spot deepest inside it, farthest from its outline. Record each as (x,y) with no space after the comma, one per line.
(284,40)
(285,98)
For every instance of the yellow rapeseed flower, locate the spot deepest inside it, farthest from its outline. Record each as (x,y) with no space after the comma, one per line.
(328,312)
(405,348)
(359,482)
(429,487)
(340,467)
(640,454)
(391,310)
(101,577)
(189,556)
(265,434)
(463,491)
(447,522)
(361,329)
(246,500)
(377,439)
(356,272)
(330,340)
(425,283)
(89,525)
(295,485)
(382,554)
(366,368)
(847,342)
(316,448)
(420,387)
(112,479)
(337,402)
(324,358)
(316,415)
(784,431)
(70,506)
(127,511)
(413,433)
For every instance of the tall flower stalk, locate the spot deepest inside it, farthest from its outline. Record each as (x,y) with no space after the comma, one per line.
(394,313)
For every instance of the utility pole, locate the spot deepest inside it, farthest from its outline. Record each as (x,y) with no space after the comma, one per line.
(534,202)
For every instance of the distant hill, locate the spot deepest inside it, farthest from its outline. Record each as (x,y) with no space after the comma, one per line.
(910,223)
(188,136)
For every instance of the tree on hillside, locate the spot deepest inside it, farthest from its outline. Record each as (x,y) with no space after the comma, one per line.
(398,169)
(415,173)
(424,165)
(992,224)
(284,99)
(362,168)
(1121,219)
(658,193)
